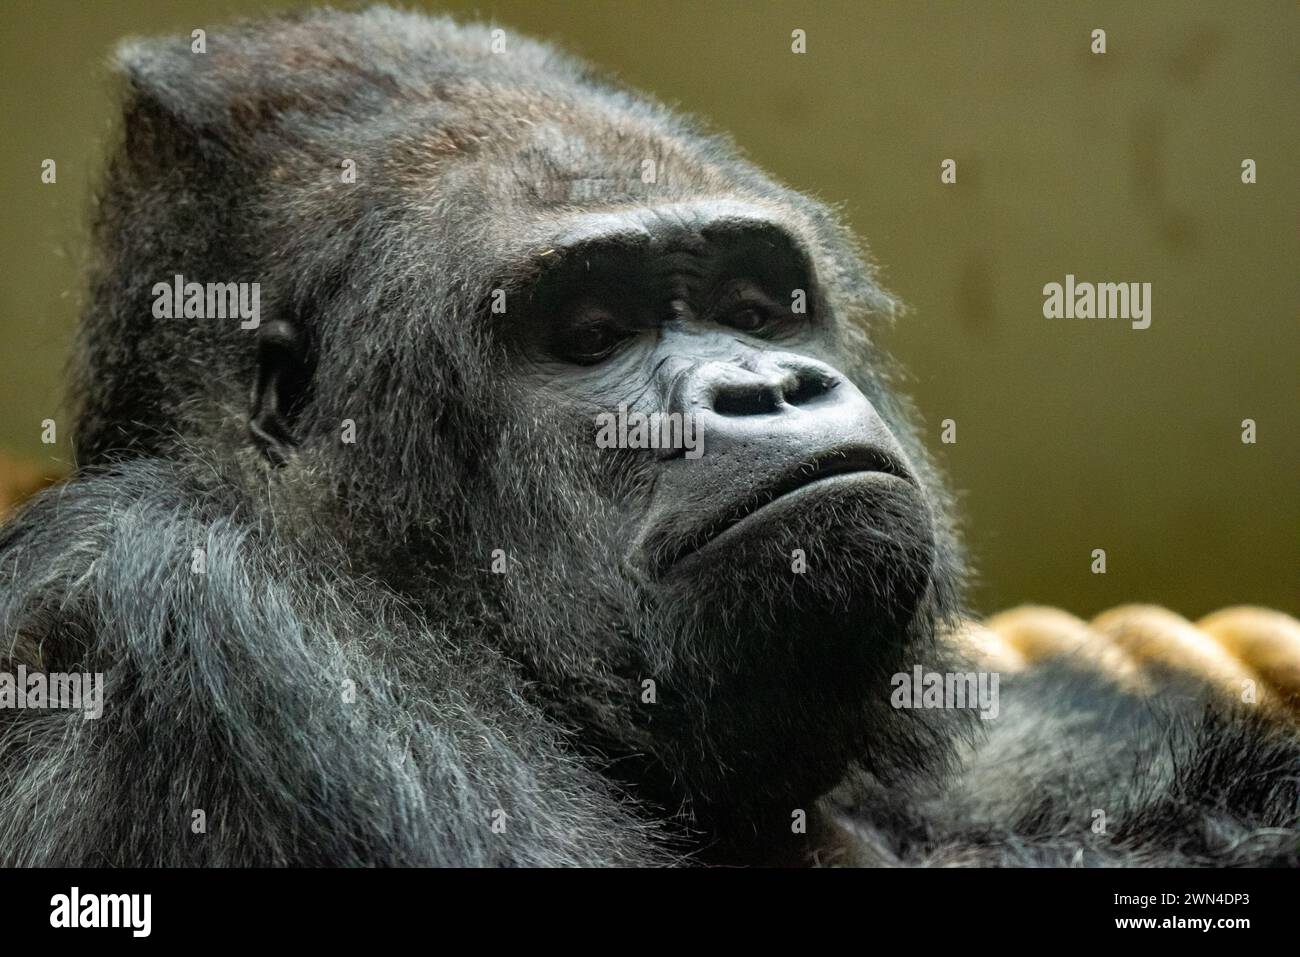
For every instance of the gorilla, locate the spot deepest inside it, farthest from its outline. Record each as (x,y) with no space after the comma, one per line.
(364,589)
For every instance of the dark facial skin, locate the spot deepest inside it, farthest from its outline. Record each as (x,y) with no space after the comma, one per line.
(691,313)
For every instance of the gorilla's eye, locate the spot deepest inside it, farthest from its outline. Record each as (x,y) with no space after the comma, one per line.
(748,318)
(746,306)
(590,337)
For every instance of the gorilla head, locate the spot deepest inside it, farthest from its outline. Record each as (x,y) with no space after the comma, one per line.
(520,250)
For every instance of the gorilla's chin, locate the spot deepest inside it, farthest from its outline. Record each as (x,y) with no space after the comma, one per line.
(787,629)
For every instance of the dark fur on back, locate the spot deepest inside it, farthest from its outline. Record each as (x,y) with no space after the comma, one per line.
(364,566)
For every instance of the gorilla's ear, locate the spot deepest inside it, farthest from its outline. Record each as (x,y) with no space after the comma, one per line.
(283,374)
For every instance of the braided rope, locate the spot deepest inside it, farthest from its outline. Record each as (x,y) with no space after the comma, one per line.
(1246,652)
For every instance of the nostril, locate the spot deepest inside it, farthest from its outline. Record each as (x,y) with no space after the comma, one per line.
(809,385)
(749,399)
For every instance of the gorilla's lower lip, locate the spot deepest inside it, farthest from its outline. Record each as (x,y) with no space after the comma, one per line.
(843,468)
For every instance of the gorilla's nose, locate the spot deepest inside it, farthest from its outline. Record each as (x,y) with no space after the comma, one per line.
(770,411)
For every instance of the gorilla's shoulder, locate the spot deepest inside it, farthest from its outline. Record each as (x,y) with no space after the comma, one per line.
(287,711)
(118,554)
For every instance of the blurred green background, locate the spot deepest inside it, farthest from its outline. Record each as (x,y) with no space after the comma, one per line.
(1120,167)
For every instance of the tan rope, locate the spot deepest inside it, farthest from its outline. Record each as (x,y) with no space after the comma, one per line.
(1246,652)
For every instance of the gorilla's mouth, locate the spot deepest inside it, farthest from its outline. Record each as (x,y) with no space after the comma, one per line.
(835,469)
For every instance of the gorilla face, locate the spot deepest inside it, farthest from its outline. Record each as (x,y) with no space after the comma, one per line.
(687,312)
(766,586)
